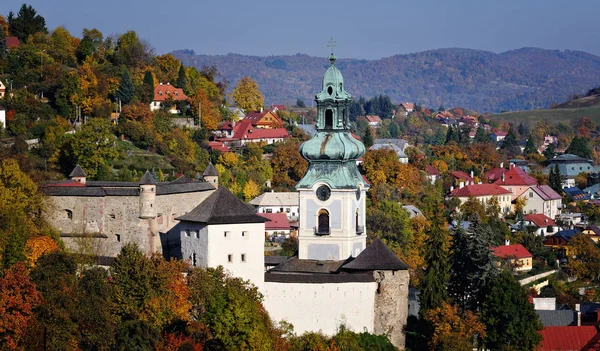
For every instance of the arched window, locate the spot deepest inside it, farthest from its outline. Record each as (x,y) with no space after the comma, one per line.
(328,119)
(323,222)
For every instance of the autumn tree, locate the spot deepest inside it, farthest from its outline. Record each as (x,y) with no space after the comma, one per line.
(18,299)
(454,329)
(586,261)
(205,110)
(131,51)
(246,95)
(288,165)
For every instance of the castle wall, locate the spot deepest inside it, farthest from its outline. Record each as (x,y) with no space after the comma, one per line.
(314,307)
(391,305)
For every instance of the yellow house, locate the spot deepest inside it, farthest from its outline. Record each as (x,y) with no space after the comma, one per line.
(515,255)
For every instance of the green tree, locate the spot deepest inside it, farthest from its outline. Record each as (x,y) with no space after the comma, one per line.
(550,152)
(126,88)
(580,146)
(3,47)
(148,88)
(92,147)
(182,82)
(27,23)
(246,95)
(481,136)
(555,179)
(367,138)
(510,144)
(530,147)
(510,320)
(451,135)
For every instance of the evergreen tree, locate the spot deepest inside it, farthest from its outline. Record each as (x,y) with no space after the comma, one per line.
(530,147)
(522,129)
(394,130)
(368,138)
(182,79)
(580,146)
(510,320)
(148,88)
(481,136)
(434,284)
(554,179)
(550,152)
(3,47)
(126,89)
(355,110)
(451,135)
(27,23)
(510,144)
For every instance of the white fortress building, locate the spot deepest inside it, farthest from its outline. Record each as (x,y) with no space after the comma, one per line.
(335,279)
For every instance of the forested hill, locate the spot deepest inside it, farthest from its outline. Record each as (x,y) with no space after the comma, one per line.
(527,78)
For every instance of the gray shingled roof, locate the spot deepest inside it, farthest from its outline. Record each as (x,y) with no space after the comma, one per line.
(210,171)
(551,318)
(147,179)
(318,278)
(296,265)
(222,207)
(376,256)
(122,188)
(77,172)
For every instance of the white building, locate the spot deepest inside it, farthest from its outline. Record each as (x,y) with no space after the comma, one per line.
(284,202)
(483,193)
(542,199)
(3,118)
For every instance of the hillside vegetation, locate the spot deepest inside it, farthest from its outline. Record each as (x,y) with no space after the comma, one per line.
(523,79)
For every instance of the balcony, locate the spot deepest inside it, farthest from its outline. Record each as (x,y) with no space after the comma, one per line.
(322,231)
(360,229)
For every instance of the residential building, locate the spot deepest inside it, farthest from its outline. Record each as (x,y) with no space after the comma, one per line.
(3,118)
(277,226)
(543,224)
(560,240)
(463,178)
(570,166)
(542,199)
(167,93)
(264,119)
(244,132)
(498,136)
(514,256)
(593,232)
(432,173)
(495,174)
(577,194)
(277,202)
(483,193)
(516,180)
(561,338)
(548,139)
(374,121)
(571,219)
(2,90)
(396,145)
(405,108)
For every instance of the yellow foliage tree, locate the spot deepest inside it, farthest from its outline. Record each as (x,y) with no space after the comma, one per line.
(228,159)
(209,115)
(247,95)
(440,165)
(251,190)
(168,67)
(38,246)
(453,330)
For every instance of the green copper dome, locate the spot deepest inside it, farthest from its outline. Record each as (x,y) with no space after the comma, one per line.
(332,146)
(333,84)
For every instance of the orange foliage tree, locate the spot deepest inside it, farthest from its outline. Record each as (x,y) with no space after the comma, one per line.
(18,298)
(38,246)
(454,329)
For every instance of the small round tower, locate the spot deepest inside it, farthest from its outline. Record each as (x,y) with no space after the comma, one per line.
(147,196)
(78,174)
(211,175)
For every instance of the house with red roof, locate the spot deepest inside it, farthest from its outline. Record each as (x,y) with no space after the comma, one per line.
(498,136)
(542,199)
(495,174)
(570,338)
(405,108)
(264,119)
(462,177)
(12,43)
(277,225)
(432,173)
(516,180)
(544,225)
(515,256)
(483,193)
(218,145)
(167,93)
(374,121)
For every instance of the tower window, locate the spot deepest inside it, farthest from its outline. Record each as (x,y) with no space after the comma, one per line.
(323,223)
(328,119)
(230,258)
(243,257)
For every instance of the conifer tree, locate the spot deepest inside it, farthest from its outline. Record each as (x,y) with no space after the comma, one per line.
(126,89)
(182,79)
(550,152)
(452,135)
(554,179)
(368,138)
(148,88)
(530,147)
(3,47)
(481,136)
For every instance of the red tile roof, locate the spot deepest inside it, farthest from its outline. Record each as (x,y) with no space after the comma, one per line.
(261,133)
(279,107)
(479,190)
(584,338)
(540,220)
(276,221)
(460,175)
(12,42)
(501,133)
(225,126)
(373,119)
(432,170)
(257,116)
(162,92)
(408,105)
(513,250)
(516,176)
(217,145)
(494,174)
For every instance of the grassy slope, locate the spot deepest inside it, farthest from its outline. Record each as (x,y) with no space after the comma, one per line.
(141,160)
(555,115)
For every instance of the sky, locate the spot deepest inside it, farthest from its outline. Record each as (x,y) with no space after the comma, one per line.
(361,29)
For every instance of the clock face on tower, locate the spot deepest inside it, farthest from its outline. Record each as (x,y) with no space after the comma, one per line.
(323,192)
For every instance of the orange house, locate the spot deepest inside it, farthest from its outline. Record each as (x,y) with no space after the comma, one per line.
(266,119)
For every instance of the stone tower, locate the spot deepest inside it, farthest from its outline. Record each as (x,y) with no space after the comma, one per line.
(147,196)
(78,174)
(211,175)
(332,192)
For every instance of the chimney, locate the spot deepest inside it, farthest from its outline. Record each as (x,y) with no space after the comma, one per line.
(578,310)
(472,175)
(501,164)
(451,189)
(507,241)
(160,83)
(461,185)
(168,83)
(503,178)
(261,109)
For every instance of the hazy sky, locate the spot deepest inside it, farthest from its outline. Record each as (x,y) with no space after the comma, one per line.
(362,29)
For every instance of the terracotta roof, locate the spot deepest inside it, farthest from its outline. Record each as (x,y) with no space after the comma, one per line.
(210,171)
(163,91)
(408,105)
(462,176)
(584,338)
(545,192)
(495,173)
(513,250)
(262,133)
(77,172)
(500,133)
(376,256)
(222,207)
(147,179)
(279,107)
(432,170)
(225,126)
(540,220)
(373,119)
(516,176)
(479,190)
(276,221)
(12,42)
(218,145)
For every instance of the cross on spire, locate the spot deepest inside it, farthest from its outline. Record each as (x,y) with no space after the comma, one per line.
(331,44)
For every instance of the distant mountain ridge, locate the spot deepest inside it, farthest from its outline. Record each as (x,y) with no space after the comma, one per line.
(522,79)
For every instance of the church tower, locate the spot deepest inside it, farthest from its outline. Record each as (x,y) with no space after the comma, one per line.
(332,192)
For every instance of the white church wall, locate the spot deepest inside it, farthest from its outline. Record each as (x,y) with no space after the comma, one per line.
(239,248)
(313,307)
